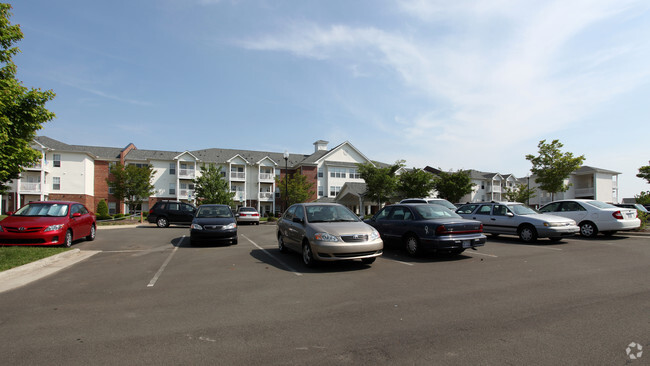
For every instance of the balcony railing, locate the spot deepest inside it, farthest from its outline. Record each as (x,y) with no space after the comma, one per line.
(30,187)
(266,196)
(584,192)
(266,176)
(494,189)
(237,176)
(185,193)
(186,173)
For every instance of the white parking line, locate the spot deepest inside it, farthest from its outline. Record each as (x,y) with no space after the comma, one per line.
(397,261)
(272,256)
(477,253)
(162,268)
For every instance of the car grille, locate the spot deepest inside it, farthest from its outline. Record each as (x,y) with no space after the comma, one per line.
(356,238)
(25,230)
(213,227)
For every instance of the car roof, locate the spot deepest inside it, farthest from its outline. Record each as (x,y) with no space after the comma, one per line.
(57,202)
(213,205)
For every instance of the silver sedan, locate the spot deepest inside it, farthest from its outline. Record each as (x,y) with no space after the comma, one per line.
(327,232)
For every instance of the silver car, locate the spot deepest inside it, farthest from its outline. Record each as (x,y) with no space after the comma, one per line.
(327,232)
(515,218)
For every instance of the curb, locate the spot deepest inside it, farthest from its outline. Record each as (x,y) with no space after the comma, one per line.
(22,275)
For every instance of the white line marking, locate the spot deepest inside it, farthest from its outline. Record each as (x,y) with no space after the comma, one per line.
(487,255)
(162,268)
(395,260)
(536,246)
(272,256)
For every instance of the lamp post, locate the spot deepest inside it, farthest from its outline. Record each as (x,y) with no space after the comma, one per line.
(286,179)
(528,191)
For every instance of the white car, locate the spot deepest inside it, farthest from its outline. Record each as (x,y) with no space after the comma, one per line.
(594,216)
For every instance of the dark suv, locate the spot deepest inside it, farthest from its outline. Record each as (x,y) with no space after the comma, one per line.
(164,213)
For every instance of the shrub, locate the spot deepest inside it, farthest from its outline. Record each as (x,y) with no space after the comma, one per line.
(102,210)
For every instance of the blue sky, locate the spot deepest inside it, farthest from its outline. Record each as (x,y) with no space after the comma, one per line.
(453,85)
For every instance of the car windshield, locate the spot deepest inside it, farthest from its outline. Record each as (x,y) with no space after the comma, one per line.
(445,203)
(329,213)
(600,204)
(43,209)
(522,210)
(435,212)
(213,211)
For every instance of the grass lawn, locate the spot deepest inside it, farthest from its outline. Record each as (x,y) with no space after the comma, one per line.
(14,256)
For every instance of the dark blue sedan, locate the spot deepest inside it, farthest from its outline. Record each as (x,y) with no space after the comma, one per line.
(427,227)
(213,223)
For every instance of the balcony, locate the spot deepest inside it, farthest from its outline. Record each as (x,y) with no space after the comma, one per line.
(186,173)
(267,177)
(29,187)
(237,176)
(185,193)
(493,189)
(584,192)
(266,196)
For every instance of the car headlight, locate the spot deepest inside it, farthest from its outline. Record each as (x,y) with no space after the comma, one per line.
(325,237)
(374,235)
(196,227)
(232,225)
(53,228)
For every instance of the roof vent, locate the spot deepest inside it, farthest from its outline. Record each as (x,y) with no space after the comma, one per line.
(320,145)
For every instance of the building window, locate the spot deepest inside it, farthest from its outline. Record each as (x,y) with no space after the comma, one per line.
(111,190)
(334,190)
(354,173)
(172,188)
(56,183)
(338,172)
(56,160)
(321,192)
(112,208)
(172,168)
(320,172)
(139,165)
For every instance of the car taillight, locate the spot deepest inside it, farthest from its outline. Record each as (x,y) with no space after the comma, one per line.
(255,214)
(480,228)
(441,230)
(617,215)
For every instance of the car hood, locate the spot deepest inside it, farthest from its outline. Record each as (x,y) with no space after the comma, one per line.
(213,220)
(17,221)
(341,228)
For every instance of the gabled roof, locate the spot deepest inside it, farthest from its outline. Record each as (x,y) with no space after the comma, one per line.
(585,169)
(320,156)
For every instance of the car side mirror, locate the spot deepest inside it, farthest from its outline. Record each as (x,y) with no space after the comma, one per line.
(510,214)
(298,220)
(76,214)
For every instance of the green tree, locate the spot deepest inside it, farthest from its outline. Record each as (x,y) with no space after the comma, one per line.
(644,172)
(453,186)
(131,184)
(415,183)
(102,210)
(299,189)
(381,182)
(643,198)
(211,187)
(551,167)
(520,194)
(22,110)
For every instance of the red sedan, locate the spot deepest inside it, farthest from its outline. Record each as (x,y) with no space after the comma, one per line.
(48,223)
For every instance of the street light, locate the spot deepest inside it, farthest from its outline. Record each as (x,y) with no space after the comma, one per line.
(286,179)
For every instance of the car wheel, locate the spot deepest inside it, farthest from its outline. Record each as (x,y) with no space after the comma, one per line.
(412,245)
(588,229)
(68,239)
(93,232)
(307,256)
(368,260)
(281,246)
(162,222)
(527,234)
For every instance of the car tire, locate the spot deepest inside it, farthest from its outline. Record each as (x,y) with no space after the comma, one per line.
(527,234)
(162,222)
(368,261)
(588,229)
(307,255)
(281,246)
(412,245)
(93,232)
(67,243)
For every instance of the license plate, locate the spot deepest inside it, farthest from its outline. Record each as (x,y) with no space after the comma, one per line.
(630,215)
(467,243)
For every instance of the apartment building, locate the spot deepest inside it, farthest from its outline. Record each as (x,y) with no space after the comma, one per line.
(79,173)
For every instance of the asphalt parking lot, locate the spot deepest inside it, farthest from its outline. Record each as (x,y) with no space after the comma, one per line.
(149,298)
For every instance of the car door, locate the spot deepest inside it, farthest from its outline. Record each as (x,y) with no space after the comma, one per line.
(380,220)
(503,220)
(572,210)
(186,214)
(174,212)
(396,222)
(483,214)
(78,222)
(296,227)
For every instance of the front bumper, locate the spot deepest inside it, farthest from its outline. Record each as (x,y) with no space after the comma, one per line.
(556,232)
(337,251)
(56,237)
(223,236)
(447,242)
